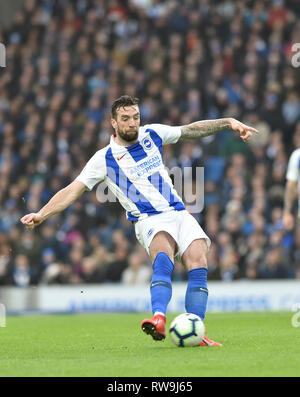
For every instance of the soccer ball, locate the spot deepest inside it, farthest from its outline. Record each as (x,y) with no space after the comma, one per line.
(187,329)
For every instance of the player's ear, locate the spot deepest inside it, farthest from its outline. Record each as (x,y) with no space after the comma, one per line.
(113,123)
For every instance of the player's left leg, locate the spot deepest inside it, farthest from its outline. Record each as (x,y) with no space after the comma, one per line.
(161,250)
(195,261)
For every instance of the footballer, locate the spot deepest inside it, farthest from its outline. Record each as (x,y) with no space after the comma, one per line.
(133,168)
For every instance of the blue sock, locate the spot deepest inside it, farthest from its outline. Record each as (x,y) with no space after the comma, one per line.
(161,287)
(197,292)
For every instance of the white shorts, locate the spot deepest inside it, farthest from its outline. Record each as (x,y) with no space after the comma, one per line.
(181,225)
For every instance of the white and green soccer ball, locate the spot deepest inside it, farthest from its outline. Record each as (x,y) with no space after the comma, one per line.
(187,329)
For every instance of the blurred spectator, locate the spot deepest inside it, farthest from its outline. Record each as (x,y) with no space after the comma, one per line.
(59,273)
(213,261)
(5,262)
(179,272)
(48,257)
(137,272)
(20,274)
(273,265)
(228,268)
(291,108)
(90,272)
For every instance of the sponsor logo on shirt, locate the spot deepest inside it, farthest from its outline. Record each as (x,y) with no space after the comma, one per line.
(146,166)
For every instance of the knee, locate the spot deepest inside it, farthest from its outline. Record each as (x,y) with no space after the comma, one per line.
(196,255)
(162,267)
(167,252)
(200,261)
(162,242)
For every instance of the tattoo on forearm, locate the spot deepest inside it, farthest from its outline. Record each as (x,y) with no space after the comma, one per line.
(200,129)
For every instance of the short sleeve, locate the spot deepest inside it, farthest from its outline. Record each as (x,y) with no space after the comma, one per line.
(293,166)
(168,134)
(94,170)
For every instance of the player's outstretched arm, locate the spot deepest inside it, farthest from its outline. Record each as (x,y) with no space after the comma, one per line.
(290,195)
(201,129)
(60,201)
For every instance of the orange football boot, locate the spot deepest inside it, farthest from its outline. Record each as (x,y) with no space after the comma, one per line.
(208,342)
(155,327)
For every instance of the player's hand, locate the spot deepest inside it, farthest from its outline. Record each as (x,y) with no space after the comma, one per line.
(288,220)
(32,220)
(244,131)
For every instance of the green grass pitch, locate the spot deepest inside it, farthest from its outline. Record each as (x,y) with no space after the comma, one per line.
(113,345)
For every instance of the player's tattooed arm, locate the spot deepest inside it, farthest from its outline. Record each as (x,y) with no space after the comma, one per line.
(201,129)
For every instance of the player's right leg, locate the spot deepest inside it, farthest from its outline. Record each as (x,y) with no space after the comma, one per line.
(195,261)
(161,250)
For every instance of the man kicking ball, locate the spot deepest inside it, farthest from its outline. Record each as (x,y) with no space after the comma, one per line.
(132,166)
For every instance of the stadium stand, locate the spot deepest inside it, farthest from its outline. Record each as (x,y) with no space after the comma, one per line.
(68,60)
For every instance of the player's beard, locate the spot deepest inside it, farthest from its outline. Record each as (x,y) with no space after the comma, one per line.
(129,136)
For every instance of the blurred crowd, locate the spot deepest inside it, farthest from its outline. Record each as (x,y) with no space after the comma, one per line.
(67,61)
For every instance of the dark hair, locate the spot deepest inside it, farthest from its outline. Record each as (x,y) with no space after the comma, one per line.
(124,100)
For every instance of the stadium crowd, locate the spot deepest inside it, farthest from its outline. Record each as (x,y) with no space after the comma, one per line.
(67,61)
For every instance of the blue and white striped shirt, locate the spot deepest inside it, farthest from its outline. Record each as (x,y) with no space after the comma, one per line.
(136,174)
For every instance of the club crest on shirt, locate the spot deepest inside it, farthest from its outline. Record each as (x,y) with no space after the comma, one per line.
(147,143)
